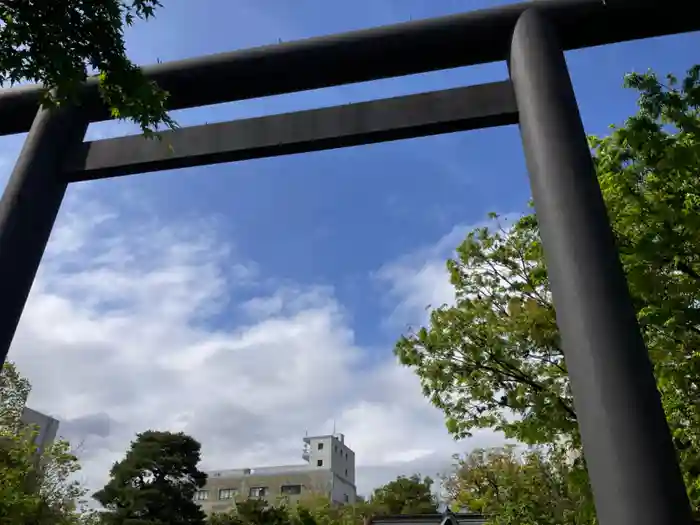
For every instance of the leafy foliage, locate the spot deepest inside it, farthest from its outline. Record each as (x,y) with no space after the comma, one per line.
(310,511)
(496,352)
(60,43)
(543,487)
(494,358)
(405,495)
(648,171)
(155,483)
(254,512)
(320,510)
(14,391)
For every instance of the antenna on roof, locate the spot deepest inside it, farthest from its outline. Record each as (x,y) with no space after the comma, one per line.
(334,427)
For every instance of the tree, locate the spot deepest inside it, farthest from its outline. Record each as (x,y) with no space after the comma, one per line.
(14,391)
(496,352)
(36,487)
(60,43)
(543,486)
(155,483)
(255,512)
(318,509)
(311,509)
(494,358)
(649,171)
(405,495)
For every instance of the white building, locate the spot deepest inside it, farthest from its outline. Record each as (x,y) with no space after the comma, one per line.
(329,471)
(332,453)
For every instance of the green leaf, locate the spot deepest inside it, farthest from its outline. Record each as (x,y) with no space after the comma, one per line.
(59,44)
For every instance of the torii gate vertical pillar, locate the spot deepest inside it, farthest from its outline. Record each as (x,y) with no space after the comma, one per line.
(29,207)
(629,453)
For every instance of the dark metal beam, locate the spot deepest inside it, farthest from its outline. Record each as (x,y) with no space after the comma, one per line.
(28,210)
(629,454)
(396,118)
(395,50)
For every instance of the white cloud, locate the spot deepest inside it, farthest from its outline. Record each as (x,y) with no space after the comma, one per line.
(134,324)
(420,282)
(118,332)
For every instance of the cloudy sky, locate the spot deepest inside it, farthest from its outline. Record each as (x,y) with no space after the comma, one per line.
(249,303)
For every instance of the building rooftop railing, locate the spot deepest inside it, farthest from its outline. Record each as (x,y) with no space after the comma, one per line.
(241,472)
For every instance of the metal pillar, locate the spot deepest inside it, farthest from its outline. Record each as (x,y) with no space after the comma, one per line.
(28,209)
(631,460)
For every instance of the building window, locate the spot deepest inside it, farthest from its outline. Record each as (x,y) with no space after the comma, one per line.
(201,495)
(347,498)
(291,490)
(319,463)
(320,446)
(258,492)
(227,493)
(346,473)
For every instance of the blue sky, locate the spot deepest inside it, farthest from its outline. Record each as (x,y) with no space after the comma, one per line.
(349,244)
(338,215)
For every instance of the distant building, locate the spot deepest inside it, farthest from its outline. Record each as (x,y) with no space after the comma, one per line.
(329,471)
(47,427)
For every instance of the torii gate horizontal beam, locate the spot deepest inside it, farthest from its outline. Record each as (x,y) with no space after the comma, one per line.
(394,50)
(410,116)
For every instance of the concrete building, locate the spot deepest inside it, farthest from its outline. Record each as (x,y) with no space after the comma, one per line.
(47,427)
(329,470)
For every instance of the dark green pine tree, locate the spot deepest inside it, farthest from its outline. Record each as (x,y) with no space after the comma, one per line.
(155,483)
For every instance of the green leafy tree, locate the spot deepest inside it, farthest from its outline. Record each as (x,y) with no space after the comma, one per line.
(649,172)
(494,358)
(62,42)
(14,391)
(319,510)
(155,483)
(496,352)
(405,495)
(255,512)
(311,509)
(543,487)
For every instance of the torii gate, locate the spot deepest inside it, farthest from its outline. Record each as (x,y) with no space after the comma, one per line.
(629,452)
